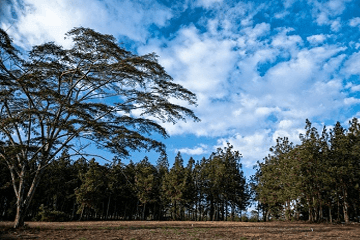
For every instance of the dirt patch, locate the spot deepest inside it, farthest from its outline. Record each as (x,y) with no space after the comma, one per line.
(178,230)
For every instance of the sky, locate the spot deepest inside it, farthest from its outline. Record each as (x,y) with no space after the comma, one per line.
(258,68)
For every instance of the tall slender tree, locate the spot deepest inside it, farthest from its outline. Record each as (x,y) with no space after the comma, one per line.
(146,184)
(91,194)
(174,187)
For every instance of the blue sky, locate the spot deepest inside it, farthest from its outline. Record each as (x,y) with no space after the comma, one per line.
(259,68)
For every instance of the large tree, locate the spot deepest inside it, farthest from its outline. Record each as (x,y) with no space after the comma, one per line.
(94,92)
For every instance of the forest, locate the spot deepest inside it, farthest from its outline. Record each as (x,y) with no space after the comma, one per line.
(210,189)
(317,180)
(56,103)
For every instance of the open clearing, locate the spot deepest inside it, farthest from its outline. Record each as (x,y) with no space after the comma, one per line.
(179,230)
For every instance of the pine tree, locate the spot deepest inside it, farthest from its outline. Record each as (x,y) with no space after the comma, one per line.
(91,194)
(342,169)
(146,184)
(174,186)
(189,195)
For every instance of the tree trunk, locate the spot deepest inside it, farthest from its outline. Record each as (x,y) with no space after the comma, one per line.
(338,210)
(20,215)
(73,210)
(321,214)
(226,210)
(310,211)
(22,203)
(232,211)
(211,210)
(143,214)
(107,209)
(267,215)
(346,207)
(82,212)
(287,211)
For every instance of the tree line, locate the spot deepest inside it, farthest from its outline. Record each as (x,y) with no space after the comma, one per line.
(213,188)
(316,180)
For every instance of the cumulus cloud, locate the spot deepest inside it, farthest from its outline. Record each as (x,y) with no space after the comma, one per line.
(198,150)
(253,147)
(351,101)
(327,9)
(354,22)
(353,87)
(316,39)
(208,3)
(41,21)
(327,12)
(352,65)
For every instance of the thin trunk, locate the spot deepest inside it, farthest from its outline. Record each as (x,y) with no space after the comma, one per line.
(175,210)
(125,210)
(200,212)
(143,214)
(107,209)
(330,214)
(321,215)
(232,211)
(287,210)
(211,210)
(82,213)
(137,215)
(338,210)
(346,207)
(73,210)
(226,210)
(310,211)
(19,219)
(267,215)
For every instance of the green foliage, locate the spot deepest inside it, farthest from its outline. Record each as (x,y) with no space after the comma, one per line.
(314,180)
(91,193)
(46,215)
(174,186)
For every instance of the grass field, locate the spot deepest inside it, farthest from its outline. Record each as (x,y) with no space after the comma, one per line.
(179,230)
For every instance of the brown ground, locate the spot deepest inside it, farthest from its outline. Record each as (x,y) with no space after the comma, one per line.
(179,230)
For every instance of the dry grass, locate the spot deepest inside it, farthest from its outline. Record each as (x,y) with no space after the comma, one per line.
(178,230)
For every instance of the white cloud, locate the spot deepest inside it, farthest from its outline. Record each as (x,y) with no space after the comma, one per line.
(288,3)
(283,40)
(327,12)
(259,30)
(336,25)
(281,15)
(351,101)
(198,150)
(208,3)
(353,87)
(316,39)
(290,129)
(354,22)
(43,21)
(253,147)
(352,65)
